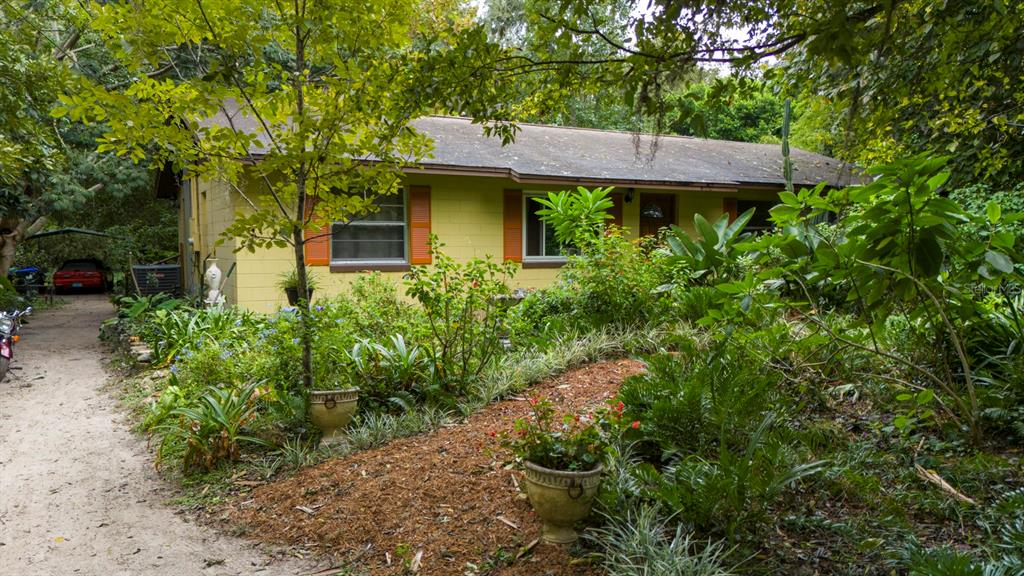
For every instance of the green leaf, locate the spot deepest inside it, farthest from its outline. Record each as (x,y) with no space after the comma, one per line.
(924,397)
(999,261)
(994,211)
(1004,240)
(928,256)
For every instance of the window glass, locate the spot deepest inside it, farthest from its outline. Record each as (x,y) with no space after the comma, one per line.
(540,238)
(380,236)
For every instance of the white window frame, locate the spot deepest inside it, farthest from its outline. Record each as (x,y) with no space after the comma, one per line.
(527,198)
(378,261)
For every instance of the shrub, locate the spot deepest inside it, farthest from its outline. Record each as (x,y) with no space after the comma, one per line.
(393,374)
(713,256)
(372,309)
(464,306)
(210,430)
(711,449)
(732,489)
(687,400)
(906,249)
(612,282)
(171,332)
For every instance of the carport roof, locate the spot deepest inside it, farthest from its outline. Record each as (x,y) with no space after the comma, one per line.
(557,153)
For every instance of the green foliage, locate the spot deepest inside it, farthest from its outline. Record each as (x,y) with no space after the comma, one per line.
(610,283)
(394,373)
(905,249)
(889,107)
(577,218)
(463,305)
(290,280)
(212,429)
(372,308)
(133,313)
(298,94)
(140,307)
(751,115)
(709,257)
(10,299)
(686,400)
(373,429)
(171,332)
(733,491)
(643,543)
(518,369)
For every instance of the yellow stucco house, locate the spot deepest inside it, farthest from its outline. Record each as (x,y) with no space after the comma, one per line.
(475,195)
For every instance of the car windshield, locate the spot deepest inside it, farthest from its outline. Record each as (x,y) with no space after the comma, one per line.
(79,266)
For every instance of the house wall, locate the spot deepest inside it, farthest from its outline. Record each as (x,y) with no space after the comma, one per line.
(211,208)
(466,215)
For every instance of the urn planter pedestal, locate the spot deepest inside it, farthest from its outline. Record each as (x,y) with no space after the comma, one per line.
(332,410)
(561,499)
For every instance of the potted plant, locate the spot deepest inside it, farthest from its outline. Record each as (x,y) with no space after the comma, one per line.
(331,410)
(562,466)
(289,282)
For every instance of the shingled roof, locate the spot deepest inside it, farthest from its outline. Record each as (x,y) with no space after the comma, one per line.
(556,153)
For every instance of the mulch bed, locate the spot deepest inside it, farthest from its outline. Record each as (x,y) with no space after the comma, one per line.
(444,496)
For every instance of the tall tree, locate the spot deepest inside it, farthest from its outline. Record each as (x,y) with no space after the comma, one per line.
(48,167)
(909,74)
(30,153)
(310,99)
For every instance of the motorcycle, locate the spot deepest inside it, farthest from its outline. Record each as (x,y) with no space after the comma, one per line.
(10,322)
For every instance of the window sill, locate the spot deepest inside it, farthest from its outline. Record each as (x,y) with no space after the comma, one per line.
(544,263)
(370,267)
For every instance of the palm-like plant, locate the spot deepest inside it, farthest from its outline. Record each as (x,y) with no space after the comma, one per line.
(708,256)
(212,429)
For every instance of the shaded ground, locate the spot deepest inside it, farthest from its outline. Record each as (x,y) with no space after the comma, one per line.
(444,496)
(78,493)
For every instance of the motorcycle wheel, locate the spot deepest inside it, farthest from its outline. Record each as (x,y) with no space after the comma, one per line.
(5,363)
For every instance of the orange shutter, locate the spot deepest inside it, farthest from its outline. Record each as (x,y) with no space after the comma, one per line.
(729,207)
(616,209)
(318,241)
(513,225)
(419,224)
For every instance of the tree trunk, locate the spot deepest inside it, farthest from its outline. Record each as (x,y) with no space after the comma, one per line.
(15,230)
(8,245)
(305,336)
(298,239)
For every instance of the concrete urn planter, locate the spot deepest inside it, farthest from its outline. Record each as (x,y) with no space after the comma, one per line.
(332,410)
(561,499)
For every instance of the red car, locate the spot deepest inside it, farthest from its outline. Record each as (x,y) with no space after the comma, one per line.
(79,275)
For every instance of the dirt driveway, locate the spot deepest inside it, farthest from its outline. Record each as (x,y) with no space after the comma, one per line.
(78,494)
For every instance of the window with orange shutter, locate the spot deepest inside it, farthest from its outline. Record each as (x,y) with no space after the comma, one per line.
(381,237)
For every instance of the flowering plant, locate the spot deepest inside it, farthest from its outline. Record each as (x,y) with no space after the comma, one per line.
(570,443)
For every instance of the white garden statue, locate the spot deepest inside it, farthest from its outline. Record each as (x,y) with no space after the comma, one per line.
(214,278)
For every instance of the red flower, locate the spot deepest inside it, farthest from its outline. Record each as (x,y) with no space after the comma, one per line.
(620,407)
(636,424)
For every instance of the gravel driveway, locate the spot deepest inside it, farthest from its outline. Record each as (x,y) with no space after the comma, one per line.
(78,493)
